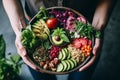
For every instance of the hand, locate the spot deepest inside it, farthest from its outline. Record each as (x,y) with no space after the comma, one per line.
(22,52)
(98,23)
(95,52)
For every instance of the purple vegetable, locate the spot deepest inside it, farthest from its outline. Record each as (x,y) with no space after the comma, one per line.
(70,24)
(62,16)
(82,19)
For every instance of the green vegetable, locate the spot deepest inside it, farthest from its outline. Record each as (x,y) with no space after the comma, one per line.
(42,14)
(40,29)
(66,65)
(46,44)
(64,54)
(28,39)
(85,30)
(61,33)
(98,34)
(10,69)
(64,38)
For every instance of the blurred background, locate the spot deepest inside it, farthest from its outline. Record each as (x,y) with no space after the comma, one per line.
(9,36)
(108,67)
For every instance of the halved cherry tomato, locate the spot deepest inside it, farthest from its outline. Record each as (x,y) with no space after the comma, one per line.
(52,23)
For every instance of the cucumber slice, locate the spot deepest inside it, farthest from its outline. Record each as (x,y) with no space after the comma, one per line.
(60,55)
(60,67)
(68,53)
(64,66)
(75,62)
(64,54)
(69,65)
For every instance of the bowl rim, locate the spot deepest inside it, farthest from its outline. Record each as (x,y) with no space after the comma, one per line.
(81,64)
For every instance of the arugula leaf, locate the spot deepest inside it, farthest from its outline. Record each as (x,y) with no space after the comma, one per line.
(2,47)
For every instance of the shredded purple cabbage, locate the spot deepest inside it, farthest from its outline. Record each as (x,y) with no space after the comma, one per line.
(67,18)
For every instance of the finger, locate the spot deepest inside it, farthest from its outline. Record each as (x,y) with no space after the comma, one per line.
(21,50)
(88,64)
(28,61)
(95,22)
(96,46)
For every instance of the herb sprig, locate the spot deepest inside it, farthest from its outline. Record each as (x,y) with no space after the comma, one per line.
(87,30)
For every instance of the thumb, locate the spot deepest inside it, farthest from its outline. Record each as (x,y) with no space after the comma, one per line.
(96,46)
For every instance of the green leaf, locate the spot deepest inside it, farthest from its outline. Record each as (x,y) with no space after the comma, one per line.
(18,70)
(98,34)
(64,38)
(2,47)
(55,32)
(47,44)
(15,58)
(1,76)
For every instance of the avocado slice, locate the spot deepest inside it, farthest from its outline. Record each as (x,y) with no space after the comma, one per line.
(40,29)
(57,42)
(64,66)
(60,55)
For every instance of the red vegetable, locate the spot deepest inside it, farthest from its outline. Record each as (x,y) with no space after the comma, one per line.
(82,19)
(52,23)
(54,52)
(76,43)
(80,42)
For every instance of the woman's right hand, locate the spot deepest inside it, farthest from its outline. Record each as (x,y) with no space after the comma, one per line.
(22,52)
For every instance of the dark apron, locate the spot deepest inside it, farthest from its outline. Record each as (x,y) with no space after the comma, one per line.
(85,7)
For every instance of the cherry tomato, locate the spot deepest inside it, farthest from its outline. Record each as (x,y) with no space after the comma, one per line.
(52,23)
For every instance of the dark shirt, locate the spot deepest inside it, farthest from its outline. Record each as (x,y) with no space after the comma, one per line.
(85,7)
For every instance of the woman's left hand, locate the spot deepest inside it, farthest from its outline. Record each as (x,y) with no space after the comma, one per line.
(95,52)
(99,22)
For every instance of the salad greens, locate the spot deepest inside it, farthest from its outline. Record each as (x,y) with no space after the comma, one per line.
(86,30)
(10,69)
(28,39)
(42,14)
(98,34)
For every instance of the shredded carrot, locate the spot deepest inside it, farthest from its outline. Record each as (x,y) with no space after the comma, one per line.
(86,50)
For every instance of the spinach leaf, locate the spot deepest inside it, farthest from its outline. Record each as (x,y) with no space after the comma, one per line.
(2,47)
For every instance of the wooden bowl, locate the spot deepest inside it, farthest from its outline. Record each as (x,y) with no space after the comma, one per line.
(81,64)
